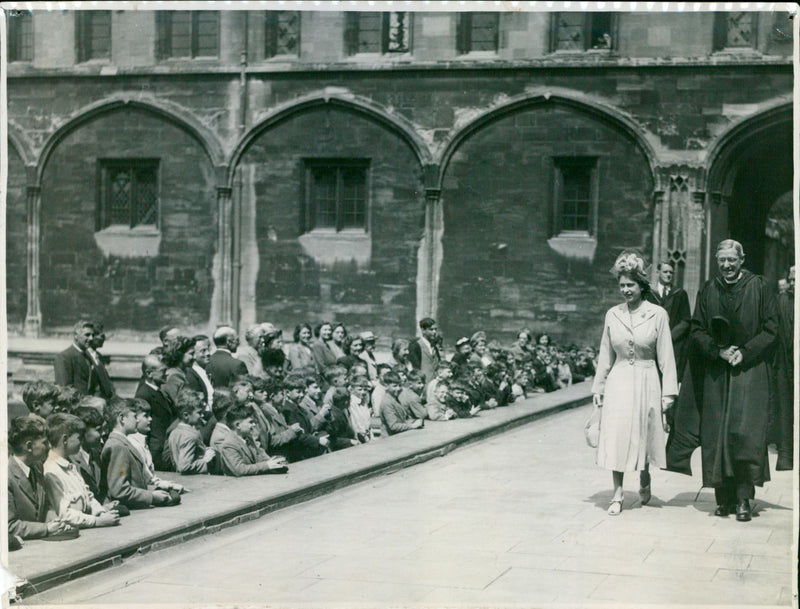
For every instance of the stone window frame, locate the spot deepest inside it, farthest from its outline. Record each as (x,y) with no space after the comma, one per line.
(590,165)
(720,33)
(164,38)
(308,216)
(271,25)
(104,167)
(20,36)
(352,34)
(589,20)
(86,39)
(464,31)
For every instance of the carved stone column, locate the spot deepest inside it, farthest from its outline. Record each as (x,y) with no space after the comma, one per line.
(33,316)
(223,266)
(429,258)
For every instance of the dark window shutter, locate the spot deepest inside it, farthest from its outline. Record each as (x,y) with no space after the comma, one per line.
(163,22)
(352,19)
(720,31)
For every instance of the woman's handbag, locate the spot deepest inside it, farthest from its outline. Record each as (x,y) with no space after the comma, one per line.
(592,428)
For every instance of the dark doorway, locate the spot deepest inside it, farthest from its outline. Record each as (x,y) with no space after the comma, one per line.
(763,174)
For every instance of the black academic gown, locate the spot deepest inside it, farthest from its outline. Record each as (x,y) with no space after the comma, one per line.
(676,304)
(726,409)
(782,424)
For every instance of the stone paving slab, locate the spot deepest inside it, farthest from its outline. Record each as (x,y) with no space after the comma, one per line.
(217,502)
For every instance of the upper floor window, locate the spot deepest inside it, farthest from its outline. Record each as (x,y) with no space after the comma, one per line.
(375,32)
(93,35)
(187,34)
(477,32)
(735,30)
(281,33)
(336,194)
(128,193)
(576,194)
(20,36)
(583,31)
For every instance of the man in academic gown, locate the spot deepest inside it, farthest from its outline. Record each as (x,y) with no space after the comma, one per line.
(676,302)
(733,335)
(782,432)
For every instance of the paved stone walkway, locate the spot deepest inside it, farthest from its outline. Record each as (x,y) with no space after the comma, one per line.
(519,518)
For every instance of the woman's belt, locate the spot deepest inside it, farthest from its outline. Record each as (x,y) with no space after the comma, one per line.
(639,363)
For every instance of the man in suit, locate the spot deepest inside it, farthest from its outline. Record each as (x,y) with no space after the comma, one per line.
(27,500)
(423,353)
(196,377)
(223,366)
(676,303)
(99,361)
(73,366)
(162,409)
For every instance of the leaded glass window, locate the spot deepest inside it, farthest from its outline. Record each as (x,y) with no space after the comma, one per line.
(577,31)
(128,192)
(336,194)
(575,194)
(282,33)
(477,32)
(93,35)
(374,32)
(20,36)
(187,34)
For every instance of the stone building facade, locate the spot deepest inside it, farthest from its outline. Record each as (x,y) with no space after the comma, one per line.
(198,167)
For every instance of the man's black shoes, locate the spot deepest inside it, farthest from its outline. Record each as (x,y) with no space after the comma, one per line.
(743,511)
(724,510)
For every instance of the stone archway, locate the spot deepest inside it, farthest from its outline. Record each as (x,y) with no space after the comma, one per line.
(749,169)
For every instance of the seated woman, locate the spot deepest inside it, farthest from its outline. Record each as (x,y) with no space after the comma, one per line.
(178,358)
(298,354)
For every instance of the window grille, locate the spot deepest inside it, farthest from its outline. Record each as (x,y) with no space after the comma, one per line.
(20,36)
(187,34)
(575,199)
(128,192)
(93,35)
(336,194)
(477,32)
(282,33)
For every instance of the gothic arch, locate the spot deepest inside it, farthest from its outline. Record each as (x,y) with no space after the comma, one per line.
(582,103)
(178,117)
(327,99)
(725,154)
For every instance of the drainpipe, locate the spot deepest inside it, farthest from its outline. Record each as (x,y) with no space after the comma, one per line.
(236,254)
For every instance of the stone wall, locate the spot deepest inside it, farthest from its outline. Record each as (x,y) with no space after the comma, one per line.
(128,291)
(16,242)
(499,190)
(317,276)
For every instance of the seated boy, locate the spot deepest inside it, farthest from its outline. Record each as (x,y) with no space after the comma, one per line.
(316,414)
(238,452)
(27,499)
(187,452)
(411,394)
(458,400)
(40,397)
(396,417)
(144,420)
(437,407)
(337,425)
(444,372)
(66,489)
(123,474)
(360,413)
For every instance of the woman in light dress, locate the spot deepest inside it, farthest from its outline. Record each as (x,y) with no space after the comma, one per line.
(636,346)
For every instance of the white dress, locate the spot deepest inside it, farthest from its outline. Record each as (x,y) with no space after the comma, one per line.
(633,350)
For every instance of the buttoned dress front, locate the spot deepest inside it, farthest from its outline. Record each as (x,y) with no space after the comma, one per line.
(633,350)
